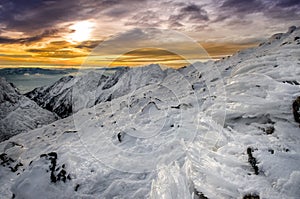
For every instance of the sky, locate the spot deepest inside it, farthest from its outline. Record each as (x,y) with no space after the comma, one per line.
(53,33)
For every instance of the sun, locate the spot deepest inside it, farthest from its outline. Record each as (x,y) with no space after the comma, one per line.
(81,31)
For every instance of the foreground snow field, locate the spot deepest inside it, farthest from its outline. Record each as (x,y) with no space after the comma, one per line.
(195,132)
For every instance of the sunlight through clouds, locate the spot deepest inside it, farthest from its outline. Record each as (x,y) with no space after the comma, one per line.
(81,31)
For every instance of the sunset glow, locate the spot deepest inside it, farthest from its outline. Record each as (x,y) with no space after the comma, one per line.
(62,34)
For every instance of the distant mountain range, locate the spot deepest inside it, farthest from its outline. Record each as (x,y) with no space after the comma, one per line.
(44,71)
(32,71)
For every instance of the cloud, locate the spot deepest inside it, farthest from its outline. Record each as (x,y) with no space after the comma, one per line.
(242,7)
(190,13)
(28,40)
(58,49)
(15,56)
(146,56)
(88,45)
(146,18)
(171,14)
(280,9)
(32,16)
(284,10)
(288,3)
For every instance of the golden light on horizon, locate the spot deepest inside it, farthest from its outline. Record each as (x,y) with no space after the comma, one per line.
(147,56)
(65,54)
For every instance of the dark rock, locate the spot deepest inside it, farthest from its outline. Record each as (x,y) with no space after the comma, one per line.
(61,176)
(269,130)
(291,29)
(213,80)
(251,196)
(5,160)
(119,136)
(177,107)
(43,155)
(15,168)
(109,98)
(252,160)
(292,82)
(296,109)
(199,194)
(70,131)
(54,168)
(183,105)
(10,163)
(271,151)
(53,154)
(76,187)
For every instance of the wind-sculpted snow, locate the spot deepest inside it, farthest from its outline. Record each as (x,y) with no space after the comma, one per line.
(18,113)
(164,134)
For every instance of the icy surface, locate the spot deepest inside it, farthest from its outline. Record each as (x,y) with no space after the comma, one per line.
(164,134)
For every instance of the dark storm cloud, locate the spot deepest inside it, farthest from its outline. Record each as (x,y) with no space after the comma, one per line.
(171,14)
(31,16)
(242,6)
(190,12)
(288,3)
(28,40)
(280,9)
(283,9)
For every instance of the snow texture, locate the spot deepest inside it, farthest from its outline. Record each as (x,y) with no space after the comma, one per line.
(18,113)
(184,133)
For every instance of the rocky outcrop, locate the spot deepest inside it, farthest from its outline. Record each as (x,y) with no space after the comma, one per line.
(296,109)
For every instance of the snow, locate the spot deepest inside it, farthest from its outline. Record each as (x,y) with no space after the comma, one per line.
(18,113)
(171,133)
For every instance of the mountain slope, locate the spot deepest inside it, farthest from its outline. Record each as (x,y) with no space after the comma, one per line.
(169,137)
(64,96)
(18,113)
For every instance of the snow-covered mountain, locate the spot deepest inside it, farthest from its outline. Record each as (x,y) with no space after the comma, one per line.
(225,129)
(18,113)
(65,96)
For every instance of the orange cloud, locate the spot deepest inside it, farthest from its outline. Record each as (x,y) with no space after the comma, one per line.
(65,54)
